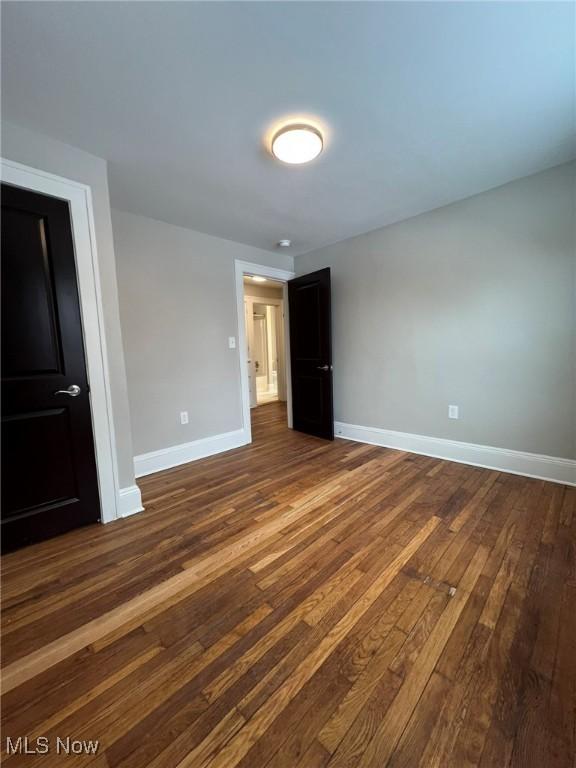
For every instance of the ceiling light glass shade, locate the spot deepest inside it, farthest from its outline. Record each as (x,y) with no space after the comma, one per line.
(296,144)
(258,279)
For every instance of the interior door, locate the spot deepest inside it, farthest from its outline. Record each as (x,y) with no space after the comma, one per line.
(311,353)
(49,480)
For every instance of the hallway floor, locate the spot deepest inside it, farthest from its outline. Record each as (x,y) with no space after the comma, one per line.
(302,603)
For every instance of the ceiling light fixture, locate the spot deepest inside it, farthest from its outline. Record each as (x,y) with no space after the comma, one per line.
(297,144)
(284,243)
(258,279)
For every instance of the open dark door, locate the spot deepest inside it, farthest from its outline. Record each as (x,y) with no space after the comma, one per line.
(311,353)
(49,480)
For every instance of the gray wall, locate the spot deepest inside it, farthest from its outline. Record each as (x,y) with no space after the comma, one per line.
(472,304)
(38,151)
(178,308)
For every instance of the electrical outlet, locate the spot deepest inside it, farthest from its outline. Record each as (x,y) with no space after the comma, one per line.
(453,412)
(183,417)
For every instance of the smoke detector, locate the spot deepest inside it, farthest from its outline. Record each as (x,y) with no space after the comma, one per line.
(284,243)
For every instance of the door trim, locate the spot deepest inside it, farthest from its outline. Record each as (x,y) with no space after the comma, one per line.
(79,197)
(242,268)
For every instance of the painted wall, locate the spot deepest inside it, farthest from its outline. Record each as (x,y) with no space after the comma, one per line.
(472,304)
(178,308)
(38,151)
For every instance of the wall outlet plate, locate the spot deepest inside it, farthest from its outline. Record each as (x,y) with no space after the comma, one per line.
(453,412)
(183,417)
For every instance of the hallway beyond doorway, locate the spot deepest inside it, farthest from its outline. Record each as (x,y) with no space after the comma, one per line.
(265,339)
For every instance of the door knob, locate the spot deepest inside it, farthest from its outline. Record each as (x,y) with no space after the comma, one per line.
(73,391)
(323,367)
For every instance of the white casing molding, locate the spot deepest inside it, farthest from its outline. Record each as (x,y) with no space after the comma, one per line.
(129,501)
(175,455)
(551,468)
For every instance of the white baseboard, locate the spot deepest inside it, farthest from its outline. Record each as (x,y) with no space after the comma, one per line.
(556,470)
(129,501)
(175,455)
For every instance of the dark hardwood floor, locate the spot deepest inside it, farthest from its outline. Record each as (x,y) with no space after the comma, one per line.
(301,603)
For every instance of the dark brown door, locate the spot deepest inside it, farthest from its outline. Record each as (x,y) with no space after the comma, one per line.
(49,482)
(311,353)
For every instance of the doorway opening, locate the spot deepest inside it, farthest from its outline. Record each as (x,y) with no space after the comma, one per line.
(112,499)
(306,323)
(266,356)
(263,344)
(266,350)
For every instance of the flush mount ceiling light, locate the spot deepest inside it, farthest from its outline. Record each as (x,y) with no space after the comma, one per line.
(284,243)
(297,144)
(258,279)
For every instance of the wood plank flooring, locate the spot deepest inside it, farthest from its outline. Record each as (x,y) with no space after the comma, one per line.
(300,604)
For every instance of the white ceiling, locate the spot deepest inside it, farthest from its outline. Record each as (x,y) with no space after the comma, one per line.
(423,104)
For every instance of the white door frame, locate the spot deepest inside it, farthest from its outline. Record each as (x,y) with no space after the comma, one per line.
(247,268)
(79,196)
